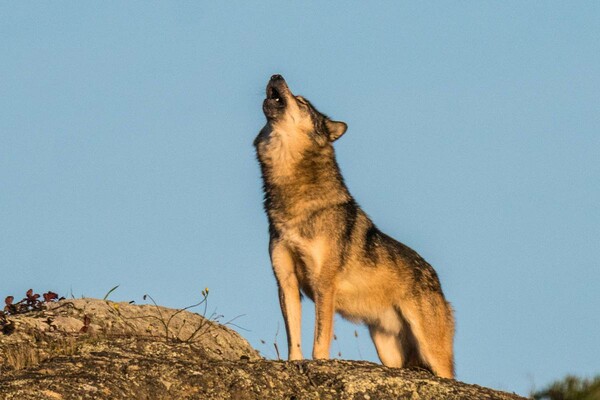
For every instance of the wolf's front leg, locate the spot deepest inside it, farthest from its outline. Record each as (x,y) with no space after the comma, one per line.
(324,310)
(289,297)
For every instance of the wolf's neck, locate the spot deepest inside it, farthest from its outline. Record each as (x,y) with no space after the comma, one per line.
(313,182)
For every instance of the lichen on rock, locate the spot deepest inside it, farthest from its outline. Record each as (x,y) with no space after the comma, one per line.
(94,349)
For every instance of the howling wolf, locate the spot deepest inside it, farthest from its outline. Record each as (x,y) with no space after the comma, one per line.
(324,245)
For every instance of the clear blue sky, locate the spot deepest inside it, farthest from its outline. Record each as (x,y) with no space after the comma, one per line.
(474,137)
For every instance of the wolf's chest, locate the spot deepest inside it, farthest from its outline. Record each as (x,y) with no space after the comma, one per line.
(310,257)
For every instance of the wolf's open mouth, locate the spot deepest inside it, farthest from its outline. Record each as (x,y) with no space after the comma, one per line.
(275,102)
(273,94)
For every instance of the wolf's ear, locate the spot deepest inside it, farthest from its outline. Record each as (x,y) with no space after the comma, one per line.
(336,129)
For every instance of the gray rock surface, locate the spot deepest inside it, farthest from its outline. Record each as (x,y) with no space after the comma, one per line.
(93,349)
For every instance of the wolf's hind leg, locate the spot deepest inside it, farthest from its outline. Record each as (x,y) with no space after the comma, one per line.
(386,334)
(388,347)
(432,325)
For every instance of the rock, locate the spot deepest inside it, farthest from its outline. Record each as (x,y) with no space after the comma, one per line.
(94,349)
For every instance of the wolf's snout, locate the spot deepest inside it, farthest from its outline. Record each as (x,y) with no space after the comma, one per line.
(275,101)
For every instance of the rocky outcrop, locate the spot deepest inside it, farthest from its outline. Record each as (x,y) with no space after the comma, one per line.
(94,349)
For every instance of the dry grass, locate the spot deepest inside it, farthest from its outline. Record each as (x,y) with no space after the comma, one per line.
(21,356)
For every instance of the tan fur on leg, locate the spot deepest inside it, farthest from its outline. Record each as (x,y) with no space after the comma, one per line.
(289,298)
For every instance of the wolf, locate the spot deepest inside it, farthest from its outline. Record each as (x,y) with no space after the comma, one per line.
(324,245)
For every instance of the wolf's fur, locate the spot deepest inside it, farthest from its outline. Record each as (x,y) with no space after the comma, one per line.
(323,244)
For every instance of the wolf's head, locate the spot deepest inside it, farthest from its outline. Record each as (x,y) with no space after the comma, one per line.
(296,156)
(293,115)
